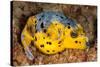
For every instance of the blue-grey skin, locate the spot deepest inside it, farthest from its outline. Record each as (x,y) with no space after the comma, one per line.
(47,17)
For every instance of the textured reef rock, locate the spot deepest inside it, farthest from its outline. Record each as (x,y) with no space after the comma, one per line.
(84,15)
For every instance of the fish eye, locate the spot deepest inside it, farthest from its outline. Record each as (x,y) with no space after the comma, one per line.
(74,34)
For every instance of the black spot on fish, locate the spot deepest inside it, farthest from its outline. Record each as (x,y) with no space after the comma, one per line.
(43,37)
(47,50)
(35,39)
(35,31)
(76,41)
(42,46)
(35,21)
(39,19)
(49,43)
(44,30)
(42,16)
(61,17)
(42,26)
(59,42)
(57,15)
(68,27)
(48,34)
(53,50)
(80,42)
(68,23)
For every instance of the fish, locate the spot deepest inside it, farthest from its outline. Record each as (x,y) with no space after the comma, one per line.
(52,32)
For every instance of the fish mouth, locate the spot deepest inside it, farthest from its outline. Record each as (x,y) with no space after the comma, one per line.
(79,30)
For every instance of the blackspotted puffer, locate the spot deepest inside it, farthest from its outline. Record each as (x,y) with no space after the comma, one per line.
(52,32)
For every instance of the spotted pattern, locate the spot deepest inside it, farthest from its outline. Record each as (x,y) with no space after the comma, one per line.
(53,32)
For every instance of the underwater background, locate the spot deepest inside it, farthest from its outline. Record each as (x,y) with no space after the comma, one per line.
(83,14)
